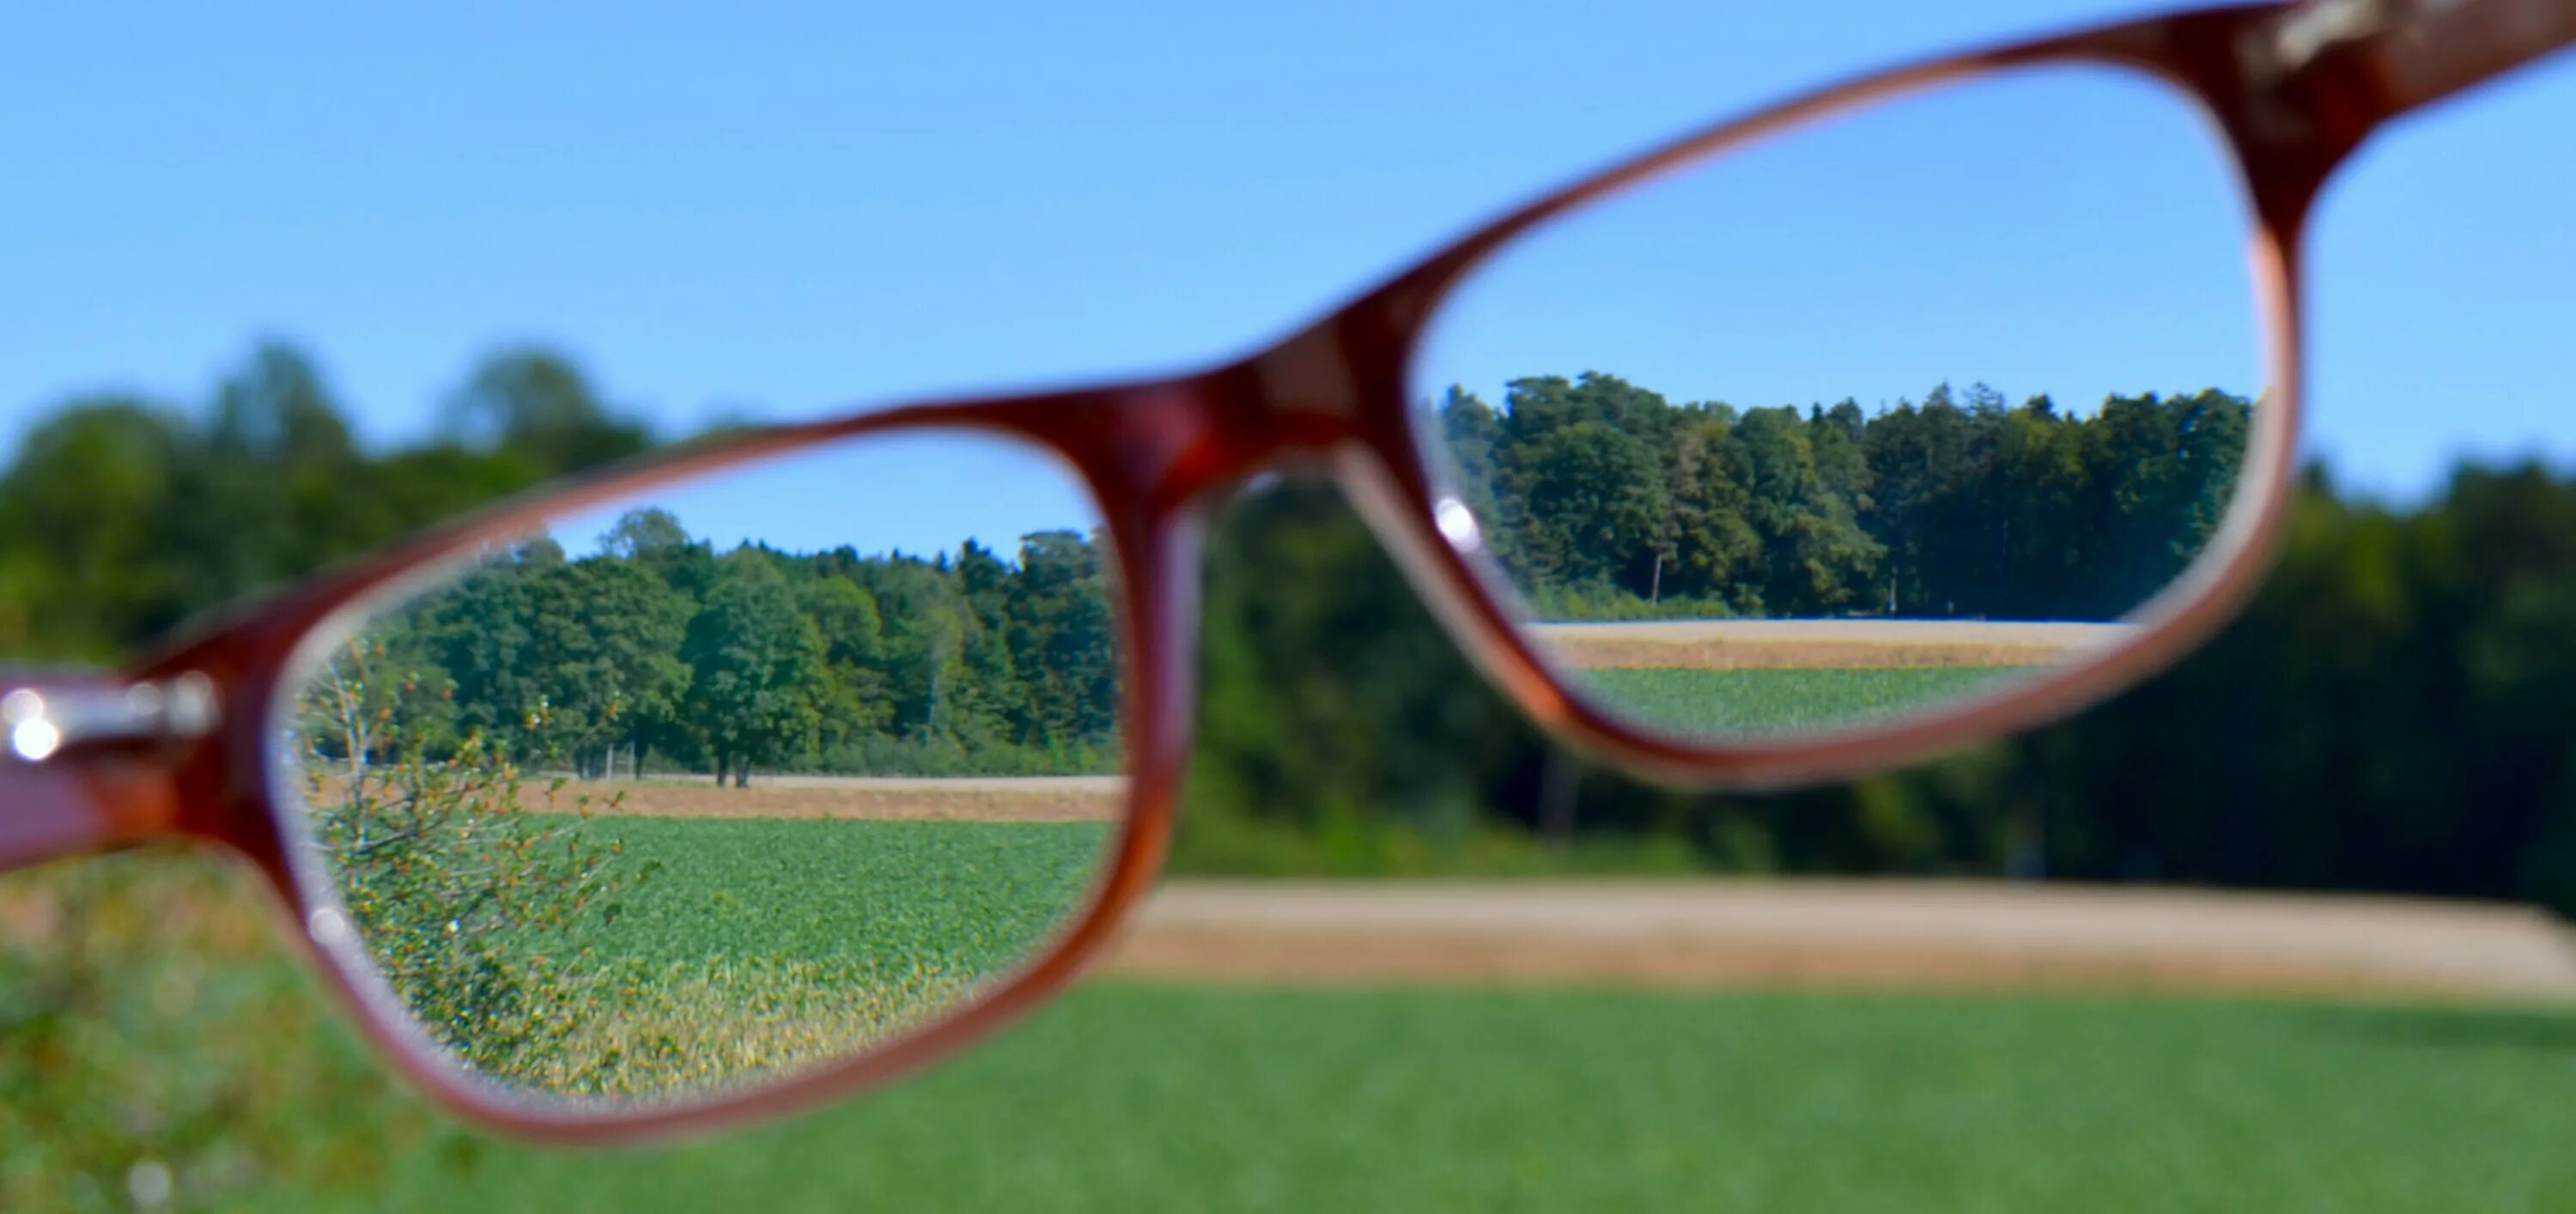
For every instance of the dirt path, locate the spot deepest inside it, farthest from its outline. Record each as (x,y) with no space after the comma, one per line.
(1821,644)
(873,798)
(1844,934)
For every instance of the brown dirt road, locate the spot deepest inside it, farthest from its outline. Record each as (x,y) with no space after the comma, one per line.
(1820,644)
(1844,934)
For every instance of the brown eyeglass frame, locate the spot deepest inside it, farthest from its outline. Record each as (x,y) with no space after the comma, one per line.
(179,746)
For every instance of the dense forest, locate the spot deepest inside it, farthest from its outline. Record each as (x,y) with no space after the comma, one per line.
(1603,499)
(656,648)
(2395,711)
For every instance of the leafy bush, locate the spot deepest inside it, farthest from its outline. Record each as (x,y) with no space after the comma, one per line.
(1601,601)
(935,755)
(152,1027)
(466,901)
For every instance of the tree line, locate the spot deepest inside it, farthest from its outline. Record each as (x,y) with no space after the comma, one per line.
(122,515)
(1602,498)
(2396,710)
(656,648)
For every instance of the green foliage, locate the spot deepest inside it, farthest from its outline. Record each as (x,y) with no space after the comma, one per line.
(1345,840)
(1602,601)
(2392,713)
(655,647)
(1303,692)
(1760,701)
(760,685)
(151,1018)
(537,402)
(1603,500)
(2396,711)
(468,905)
(628,955)
(120,518)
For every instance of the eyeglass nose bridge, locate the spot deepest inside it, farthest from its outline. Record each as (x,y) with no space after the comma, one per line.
(1184,441)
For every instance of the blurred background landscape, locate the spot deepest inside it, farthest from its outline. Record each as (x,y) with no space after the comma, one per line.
(282,282)
(2396,714)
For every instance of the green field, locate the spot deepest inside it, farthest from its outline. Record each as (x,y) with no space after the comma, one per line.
(973,896)
(1774,701)
(705,952)
(166,1026)
(1128,1097)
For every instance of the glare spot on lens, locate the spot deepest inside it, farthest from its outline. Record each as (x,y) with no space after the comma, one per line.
(1457,523)
(35,741)
(329,927)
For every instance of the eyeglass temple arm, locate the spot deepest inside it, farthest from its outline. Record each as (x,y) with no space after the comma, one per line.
(86,760)
(2409,53)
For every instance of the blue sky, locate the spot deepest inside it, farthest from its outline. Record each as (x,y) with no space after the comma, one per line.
(802,208)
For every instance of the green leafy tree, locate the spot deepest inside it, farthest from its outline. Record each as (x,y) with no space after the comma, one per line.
(78,512)
(606,636)
(538,402)
(853,634)
(1063,631)
(760,682)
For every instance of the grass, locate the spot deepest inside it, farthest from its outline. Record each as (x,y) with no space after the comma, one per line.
(1773,701)
(971,896)
(720,1024)
(1144,1097)
(734,949)
(158,1024)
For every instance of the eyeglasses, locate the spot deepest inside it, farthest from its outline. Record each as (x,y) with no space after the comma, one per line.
(849,741)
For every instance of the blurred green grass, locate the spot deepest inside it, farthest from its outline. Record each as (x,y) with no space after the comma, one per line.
(1128,1097)
(1776,701)
(198,1046)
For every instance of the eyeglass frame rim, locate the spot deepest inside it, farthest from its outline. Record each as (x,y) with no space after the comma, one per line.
(1157,455)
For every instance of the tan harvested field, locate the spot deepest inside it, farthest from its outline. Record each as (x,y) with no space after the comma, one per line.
(1821,644)
(874,798)
(1844,934)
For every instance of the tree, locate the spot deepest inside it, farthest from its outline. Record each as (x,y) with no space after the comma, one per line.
(537,402)
(1063,634)
(1469,431)
(1817,558)
(759,683)
(469,906)
(276,483)
(648,534)
(606,635)
(1716,550)
(845,615)
(79,510)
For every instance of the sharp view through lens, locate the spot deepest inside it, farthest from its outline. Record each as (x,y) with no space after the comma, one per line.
(1714,570)
(658,816)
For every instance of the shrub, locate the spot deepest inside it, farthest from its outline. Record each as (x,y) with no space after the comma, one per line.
(468,903)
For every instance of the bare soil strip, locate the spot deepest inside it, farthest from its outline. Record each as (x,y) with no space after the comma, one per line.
(873,799)
(1820,644)
(1838,934)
